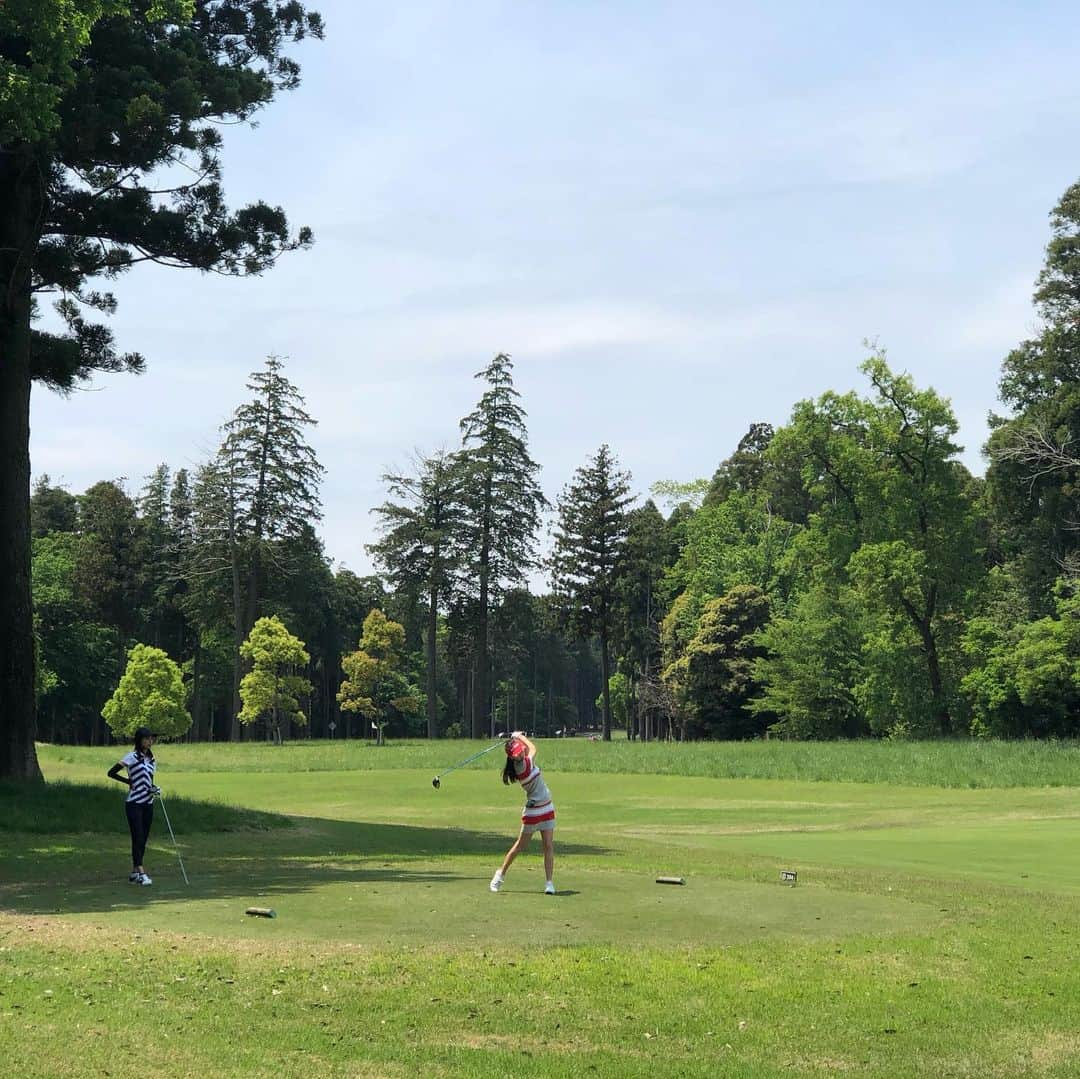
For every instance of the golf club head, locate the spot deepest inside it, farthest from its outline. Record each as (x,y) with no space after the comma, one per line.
(435,782)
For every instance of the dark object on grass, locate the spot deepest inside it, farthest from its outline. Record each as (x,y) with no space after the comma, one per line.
(789,876)
(261,912)
(670,880)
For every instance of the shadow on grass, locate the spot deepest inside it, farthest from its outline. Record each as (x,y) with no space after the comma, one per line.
(65,808)
(68,874)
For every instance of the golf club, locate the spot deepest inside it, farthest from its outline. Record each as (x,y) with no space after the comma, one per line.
(461,764)
(161,798)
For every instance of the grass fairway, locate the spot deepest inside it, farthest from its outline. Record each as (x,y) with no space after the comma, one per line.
(932,929)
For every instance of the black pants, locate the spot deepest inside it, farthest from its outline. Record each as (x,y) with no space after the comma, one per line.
(140,817)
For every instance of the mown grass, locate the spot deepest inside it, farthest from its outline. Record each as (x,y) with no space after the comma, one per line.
(972,763)
(975,1003)
(932,931)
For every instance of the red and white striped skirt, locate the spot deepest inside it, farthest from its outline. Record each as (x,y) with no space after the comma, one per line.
(538,818)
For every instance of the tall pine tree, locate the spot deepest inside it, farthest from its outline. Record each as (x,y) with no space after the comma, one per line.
(111,114)
(260,495)
(650,552)
(503,505)
(590,542)
(422,548)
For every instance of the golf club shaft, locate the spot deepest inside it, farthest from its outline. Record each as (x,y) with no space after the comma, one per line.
(161,798)
(461,764)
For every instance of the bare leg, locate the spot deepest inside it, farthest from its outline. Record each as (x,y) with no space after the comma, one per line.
(520,844)
(549,853)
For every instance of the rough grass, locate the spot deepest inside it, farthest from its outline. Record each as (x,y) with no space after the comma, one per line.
(976,764)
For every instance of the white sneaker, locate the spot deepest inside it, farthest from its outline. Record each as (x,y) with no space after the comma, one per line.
(549,888)
(496,882)
(133,877)
(144,880)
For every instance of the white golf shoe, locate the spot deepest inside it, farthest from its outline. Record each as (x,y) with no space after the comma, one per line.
(549,888)
(496,882)
(145,880)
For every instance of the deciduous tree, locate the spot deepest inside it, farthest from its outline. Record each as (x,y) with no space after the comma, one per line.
(151,694)
(376,683)
(272,689)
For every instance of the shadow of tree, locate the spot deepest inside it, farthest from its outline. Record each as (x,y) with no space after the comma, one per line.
(87,873)
(61,806)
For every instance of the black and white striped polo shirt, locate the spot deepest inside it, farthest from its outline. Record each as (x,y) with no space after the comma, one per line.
(140,770)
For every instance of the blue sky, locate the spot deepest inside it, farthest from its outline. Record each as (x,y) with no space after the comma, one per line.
(678,218)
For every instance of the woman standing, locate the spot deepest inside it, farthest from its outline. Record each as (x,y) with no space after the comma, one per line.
(140,765)
(538,814)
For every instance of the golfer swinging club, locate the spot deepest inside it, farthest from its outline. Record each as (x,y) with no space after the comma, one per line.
(140,765)
(538,814)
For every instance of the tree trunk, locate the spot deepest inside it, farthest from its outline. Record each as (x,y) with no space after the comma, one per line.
(937,686)
(198,716)
(606,689)
(924,624)
(238,617)
(431,645)
(480,694)
(20,198)
(248,619)
(480,689)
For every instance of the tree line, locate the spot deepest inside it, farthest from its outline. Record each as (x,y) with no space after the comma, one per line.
(839,576)
(194,563)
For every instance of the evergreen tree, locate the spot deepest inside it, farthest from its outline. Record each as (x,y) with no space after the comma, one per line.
(746,468)
(503,505)
(52,509)
(351,600)
(100,101)
(77,654)
(590,543)
(108,573)
(265,495)
(423,546)
(211,582)
(714,680)
(181,529)
(157,547)
(639,604)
